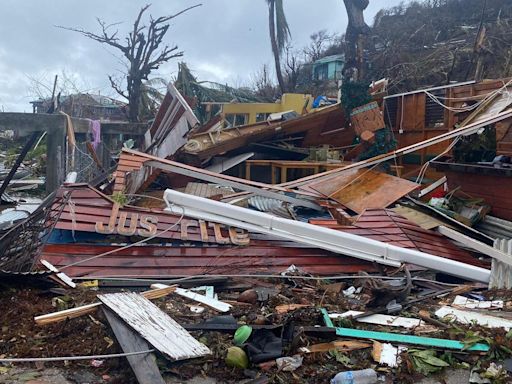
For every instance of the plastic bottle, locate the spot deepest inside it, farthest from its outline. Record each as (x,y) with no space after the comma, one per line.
(366,376)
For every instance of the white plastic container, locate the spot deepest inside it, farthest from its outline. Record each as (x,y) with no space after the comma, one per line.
(365,376)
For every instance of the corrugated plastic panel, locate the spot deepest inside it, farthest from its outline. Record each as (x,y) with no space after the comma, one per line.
(501,273)
(495,227)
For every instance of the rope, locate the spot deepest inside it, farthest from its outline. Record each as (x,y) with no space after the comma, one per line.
(69,358)
(127,246)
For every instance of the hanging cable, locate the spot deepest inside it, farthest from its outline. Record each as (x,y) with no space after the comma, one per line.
(129,245)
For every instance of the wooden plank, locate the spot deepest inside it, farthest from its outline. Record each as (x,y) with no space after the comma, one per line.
(476,245)
(72,313)
(158,328)
(213,303)
(338,345)
(144,366)
(226,180)
(359,190)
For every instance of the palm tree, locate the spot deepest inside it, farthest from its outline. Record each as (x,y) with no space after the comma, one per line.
(279,35)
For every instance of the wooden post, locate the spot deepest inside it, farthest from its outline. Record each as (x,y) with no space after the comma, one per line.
(248,170)
(18,161)
(284,173)
(144,366)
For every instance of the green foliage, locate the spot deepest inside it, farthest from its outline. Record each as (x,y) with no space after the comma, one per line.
(341,358)
(354,94)
(426,362)
(120,198)
(282,29)
(431,42)
(474,148)
(198,92)
(384,142)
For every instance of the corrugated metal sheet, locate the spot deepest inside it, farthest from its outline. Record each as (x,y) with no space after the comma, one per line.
(207,190)
(495,227)
(501,273)
(272,206)
(387,226)
(169,255)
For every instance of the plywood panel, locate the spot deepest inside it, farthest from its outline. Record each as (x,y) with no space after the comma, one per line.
(362,189)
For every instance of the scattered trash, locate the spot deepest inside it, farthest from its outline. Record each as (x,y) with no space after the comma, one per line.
(387,354)
(242,334)
(289,364)
(464,302)
(299,237)
(236,357)
(365,376)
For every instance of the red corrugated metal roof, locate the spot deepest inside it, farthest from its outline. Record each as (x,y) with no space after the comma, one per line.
(183,258)
(389,227)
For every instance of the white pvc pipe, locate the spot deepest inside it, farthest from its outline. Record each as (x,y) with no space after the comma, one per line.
(191,212)
(325,238)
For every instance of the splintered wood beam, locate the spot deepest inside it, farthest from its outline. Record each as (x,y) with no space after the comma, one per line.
(339,345)
(144,366)
(213,303)
(72,313)
(94,155)
(230,182)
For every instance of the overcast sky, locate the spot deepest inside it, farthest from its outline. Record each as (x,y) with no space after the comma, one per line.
(223,40)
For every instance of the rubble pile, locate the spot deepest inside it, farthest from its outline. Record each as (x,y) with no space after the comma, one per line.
(334,245)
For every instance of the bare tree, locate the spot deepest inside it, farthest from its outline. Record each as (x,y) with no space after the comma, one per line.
(318,44)
(263,85)
(354,37)
(142,50)
(292,67)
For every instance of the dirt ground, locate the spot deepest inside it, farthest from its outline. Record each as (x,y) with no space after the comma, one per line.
(91,335)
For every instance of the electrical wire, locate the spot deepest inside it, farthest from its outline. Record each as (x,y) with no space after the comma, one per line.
(129,245)
(287,277)
(70,358)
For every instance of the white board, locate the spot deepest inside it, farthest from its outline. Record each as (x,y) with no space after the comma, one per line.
(155,326)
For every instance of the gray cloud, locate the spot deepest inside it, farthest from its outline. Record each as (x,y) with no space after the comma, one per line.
(224,40)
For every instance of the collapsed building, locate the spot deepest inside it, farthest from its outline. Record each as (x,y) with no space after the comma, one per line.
(372,206)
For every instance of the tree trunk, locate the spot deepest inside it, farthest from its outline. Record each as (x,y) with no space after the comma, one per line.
(356,29)
(134,96)
(275,49)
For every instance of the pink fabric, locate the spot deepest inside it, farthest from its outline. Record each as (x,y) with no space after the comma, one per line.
(95,127)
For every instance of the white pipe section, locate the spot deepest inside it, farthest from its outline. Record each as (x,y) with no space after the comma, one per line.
(325,238)
(198,214)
